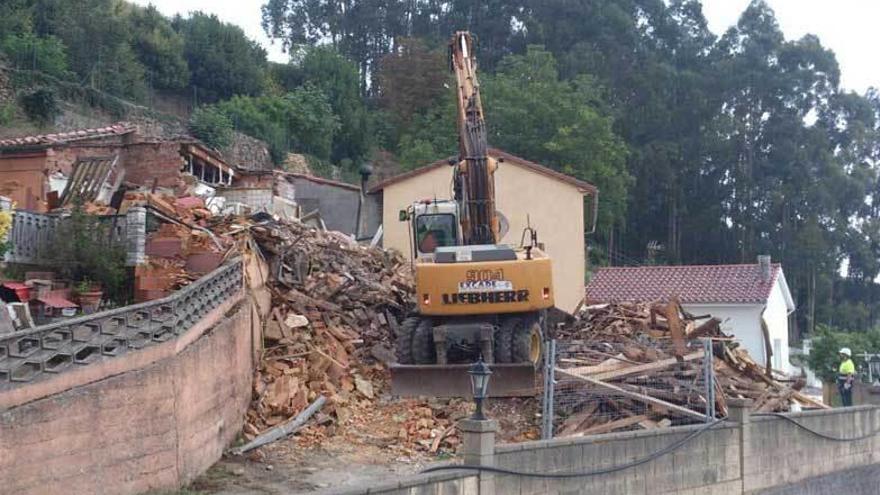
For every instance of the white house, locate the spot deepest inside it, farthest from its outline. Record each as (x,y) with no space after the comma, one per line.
(739,295)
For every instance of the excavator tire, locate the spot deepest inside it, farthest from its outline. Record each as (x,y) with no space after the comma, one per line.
(423,350)
(526,341)
(403,348)
(503,351)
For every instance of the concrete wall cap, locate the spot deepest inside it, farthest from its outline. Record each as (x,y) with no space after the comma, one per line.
(737,402)
(478,426)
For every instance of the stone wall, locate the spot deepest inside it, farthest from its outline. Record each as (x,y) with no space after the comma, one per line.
(154,427)
(248,153)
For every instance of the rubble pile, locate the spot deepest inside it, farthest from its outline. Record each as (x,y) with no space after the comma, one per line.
(630,366)
(334,307)
(180,249)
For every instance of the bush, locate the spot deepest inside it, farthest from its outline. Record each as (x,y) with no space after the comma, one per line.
(211,126)
(826,344)
(84,252)
(7,113)
(41,105)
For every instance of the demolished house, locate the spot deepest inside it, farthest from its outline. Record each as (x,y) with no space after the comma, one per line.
(43,172)
(323,203)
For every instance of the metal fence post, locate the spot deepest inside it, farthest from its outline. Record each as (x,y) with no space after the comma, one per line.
(709,379)
(549,389)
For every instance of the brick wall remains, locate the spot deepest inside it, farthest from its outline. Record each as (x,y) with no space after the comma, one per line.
(146,162)
(152,428)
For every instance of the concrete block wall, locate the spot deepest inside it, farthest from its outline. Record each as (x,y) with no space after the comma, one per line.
(154,427)
(707,464)
(777,452)
(753,455)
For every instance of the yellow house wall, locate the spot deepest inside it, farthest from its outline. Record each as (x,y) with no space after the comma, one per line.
(556,210)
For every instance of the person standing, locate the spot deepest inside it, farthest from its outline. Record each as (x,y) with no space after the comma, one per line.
(846,374)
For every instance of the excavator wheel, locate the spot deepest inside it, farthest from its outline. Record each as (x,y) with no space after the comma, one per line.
(403,346)
(502,340)
(526,341)
(423,349)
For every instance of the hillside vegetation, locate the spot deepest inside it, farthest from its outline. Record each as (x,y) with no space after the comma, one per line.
(708,148)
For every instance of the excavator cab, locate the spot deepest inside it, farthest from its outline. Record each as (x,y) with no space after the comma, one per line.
(433,224)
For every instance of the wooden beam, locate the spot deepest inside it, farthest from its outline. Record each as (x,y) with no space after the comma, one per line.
(683,411)
(612,425)
(633,370)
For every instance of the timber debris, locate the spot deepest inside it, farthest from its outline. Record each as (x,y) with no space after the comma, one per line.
(629,366)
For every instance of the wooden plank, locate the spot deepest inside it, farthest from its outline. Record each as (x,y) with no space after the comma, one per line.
(683,411)
(574,422)
(613,425)
(635,370)
(674,320)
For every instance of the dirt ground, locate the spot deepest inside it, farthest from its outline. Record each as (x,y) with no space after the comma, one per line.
(395,438)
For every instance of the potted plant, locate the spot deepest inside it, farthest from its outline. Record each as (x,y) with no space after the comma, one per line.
(89,295)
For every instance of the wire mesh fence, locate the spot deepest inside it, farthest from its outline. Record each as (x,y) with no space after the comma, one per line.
(600,387)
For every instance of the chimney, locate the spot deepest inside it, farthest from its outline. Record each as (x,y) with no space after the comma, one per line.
(764,265)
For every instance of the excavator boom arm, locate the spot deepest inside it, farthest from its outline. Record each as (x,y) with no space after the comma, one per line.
(474,175)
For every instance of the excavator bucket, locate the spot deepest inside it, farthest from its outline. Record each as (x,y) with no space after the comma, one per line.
(452,380)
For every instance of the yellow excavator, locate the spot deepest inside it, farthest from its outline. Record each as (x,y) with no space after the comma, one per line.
(476,297)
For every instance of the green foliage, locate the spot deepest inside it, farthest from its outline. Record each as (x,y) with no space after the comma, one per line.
(827,342)
(84,252)
(96,34)
(211,126)
(7,113)
(337,77)
(223,62)
(563,124)
(159,48)
(28,51)
(430,135)
(40,105)
(16,16)
(301,121)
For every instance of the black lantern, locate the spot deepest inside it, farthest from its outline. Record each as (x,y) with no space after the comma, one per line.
(479,373)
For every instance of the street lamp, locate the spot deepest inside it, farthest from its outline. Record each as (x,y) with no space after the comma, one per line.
(479,373)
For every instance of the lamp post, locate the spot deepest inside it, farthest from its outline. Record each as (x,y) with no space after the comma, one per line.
(479,373)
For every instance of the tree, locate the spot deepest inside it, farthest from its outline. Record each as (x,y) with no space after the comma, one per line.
(412,79)
(562,124)
(96,36)
(300,121)
(211,126)
(337,78)
(28,51)
(223,62)
(159,48)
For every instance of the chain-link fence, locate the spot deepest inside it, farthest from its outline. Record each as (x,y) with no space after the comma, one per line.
(601,387)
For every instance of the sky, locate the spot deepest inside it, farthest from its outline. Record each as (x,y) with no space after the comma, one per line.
(848,27)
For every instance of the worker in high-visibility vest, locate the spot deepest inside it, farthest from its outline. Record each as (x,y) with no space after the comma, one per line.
(846,374)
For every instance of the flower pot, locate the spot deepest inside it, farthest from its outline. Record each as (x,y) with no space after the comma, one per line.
(90,300)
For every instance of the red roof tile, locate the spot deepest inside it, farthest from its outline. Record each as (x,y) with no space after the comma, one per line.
(118,129)
(706,284)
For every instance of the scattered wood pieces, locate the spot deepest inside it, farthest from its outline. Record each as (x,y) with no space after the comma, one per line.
(624,361)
